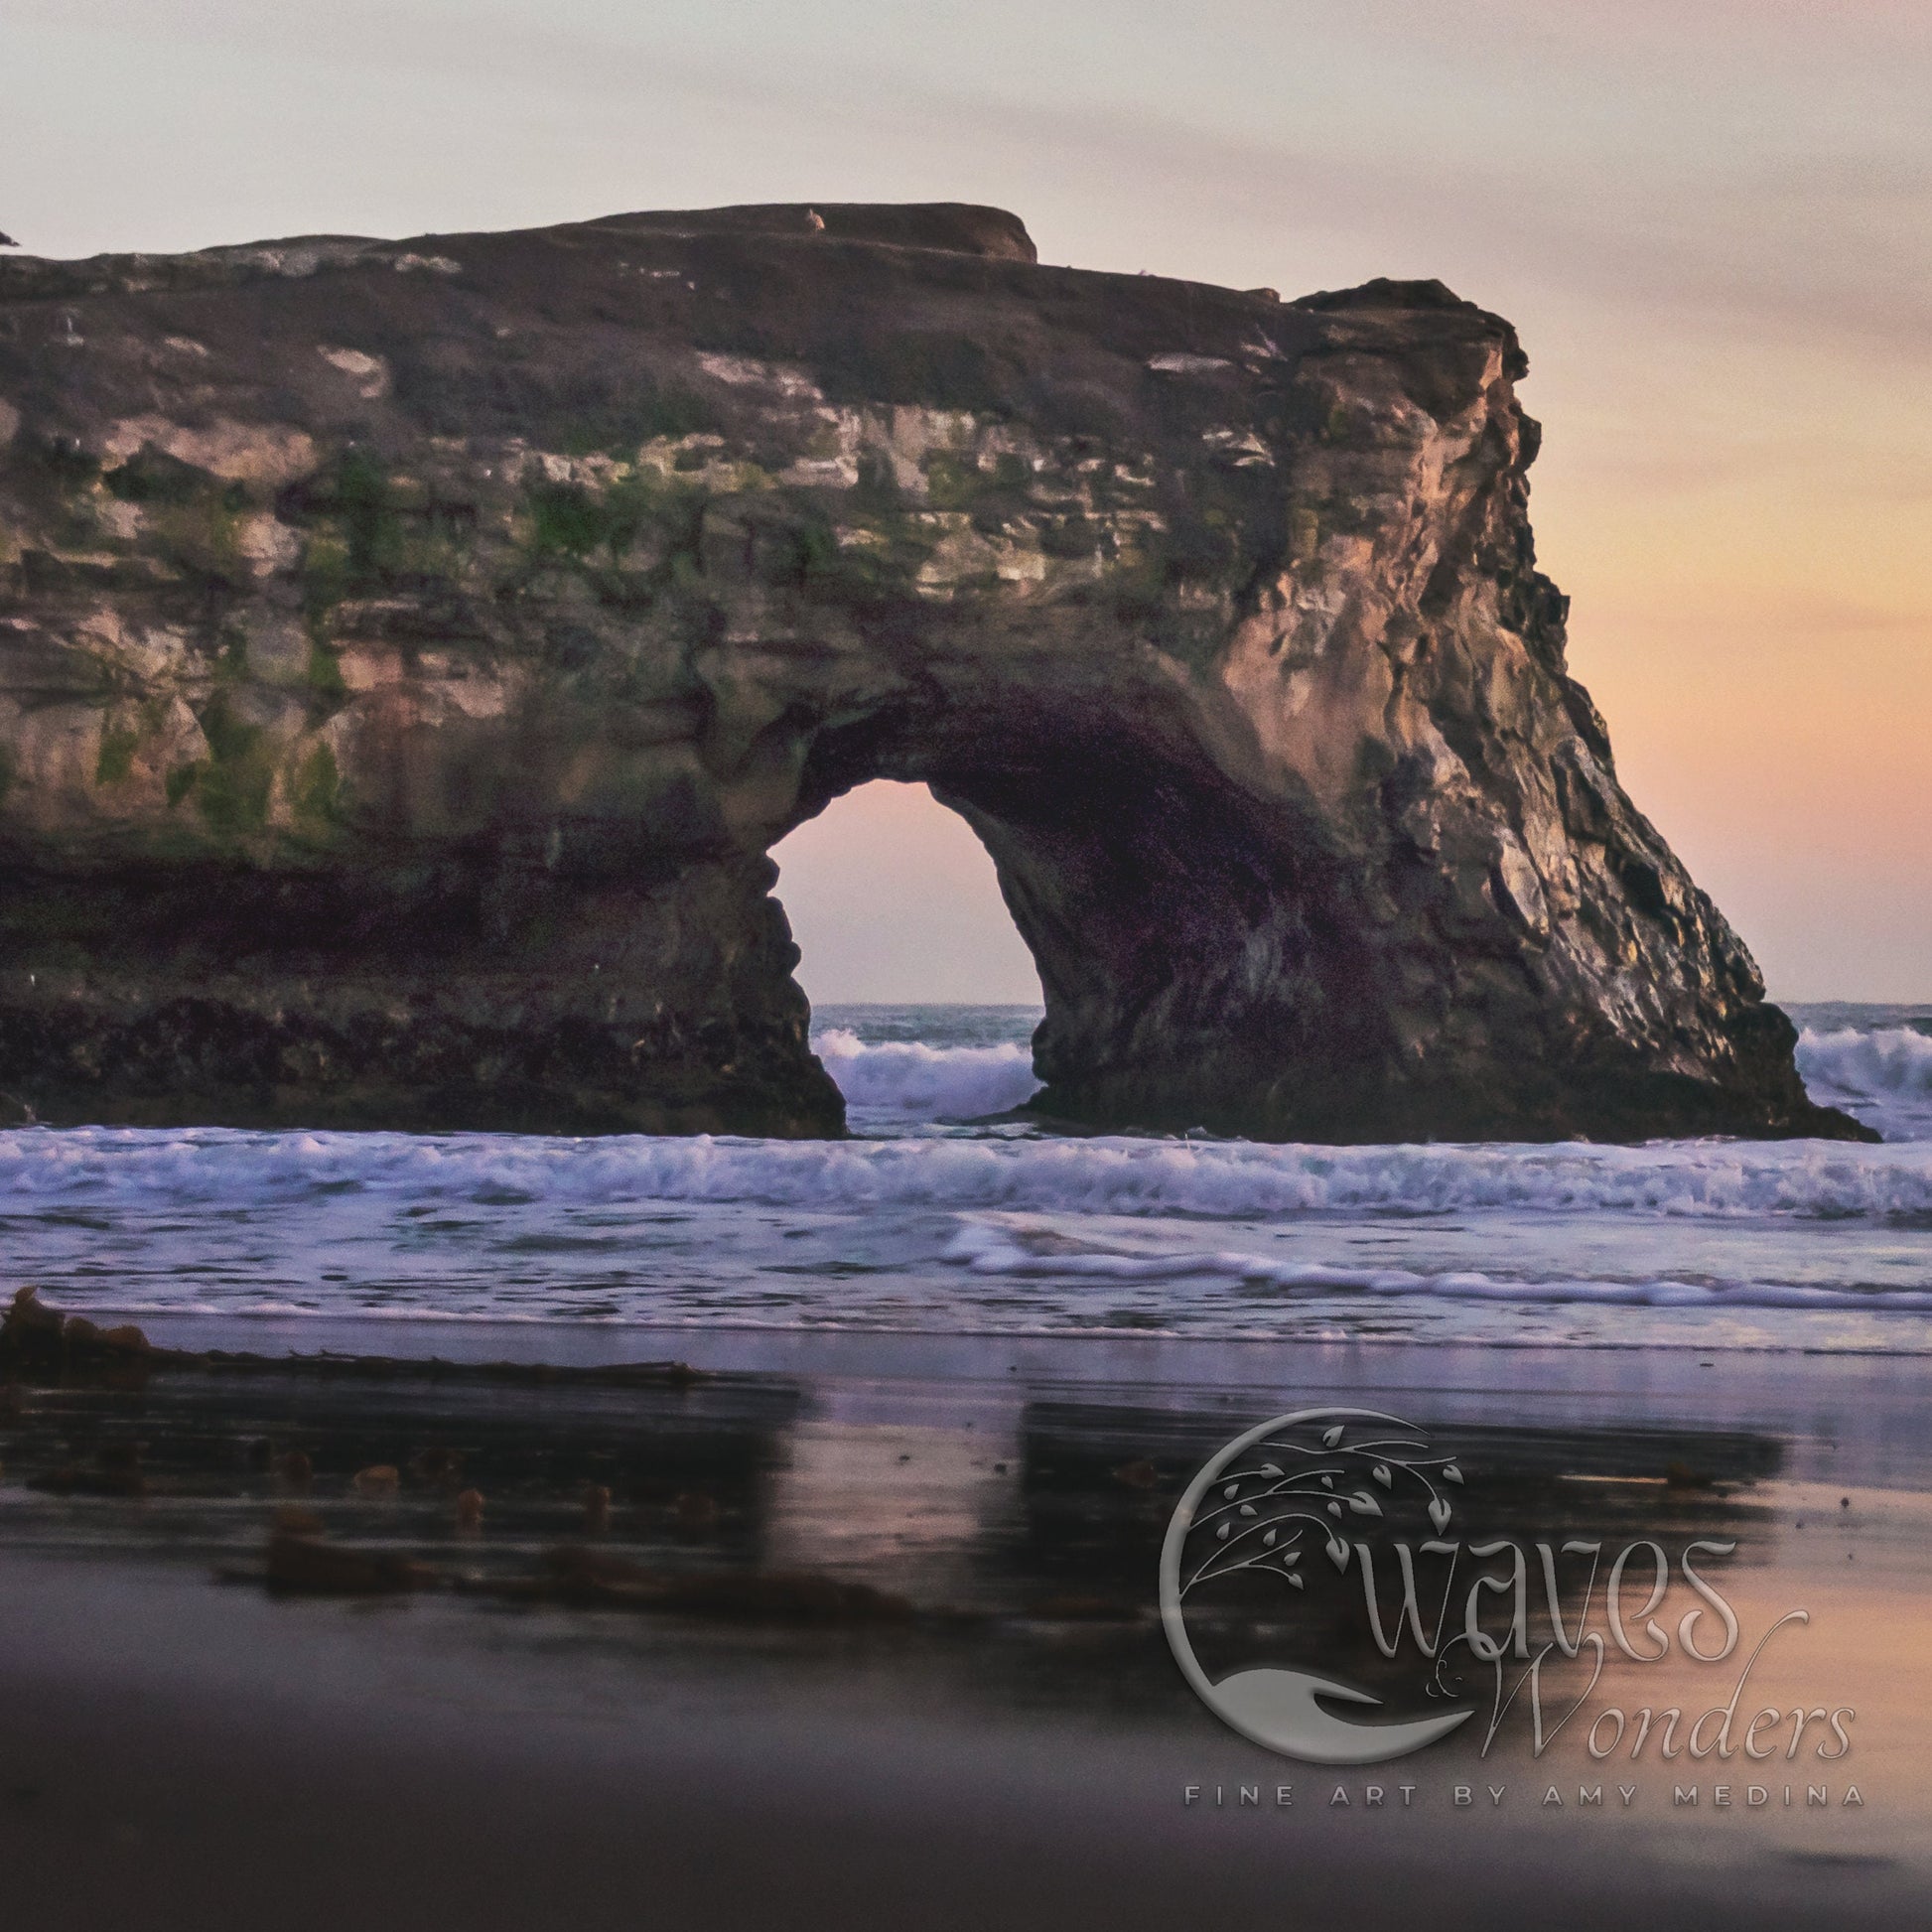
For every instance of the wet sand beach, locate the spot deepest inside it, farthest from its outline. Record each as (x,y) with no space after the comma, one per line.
(609,1702)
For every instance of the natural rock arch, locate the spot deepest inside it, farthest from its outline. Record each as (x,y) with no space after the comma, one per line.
(411,652)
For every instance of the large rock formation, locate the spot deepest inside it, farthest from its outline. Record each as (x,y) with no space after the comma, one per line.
(410,651)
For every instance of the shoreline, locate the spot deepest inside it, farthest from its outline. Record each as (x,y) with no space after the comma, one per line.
(1072,1355)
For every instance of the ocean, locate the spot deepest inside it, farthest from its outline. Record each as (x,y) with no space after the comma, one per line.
(947,1214)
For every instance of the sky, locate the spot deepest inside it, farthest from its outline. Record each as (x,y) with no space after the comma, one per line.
(1712,224)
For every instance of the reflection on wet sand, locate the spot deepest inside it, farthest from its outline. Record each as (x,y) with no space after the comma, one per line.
(1021,1519)
(906,1504)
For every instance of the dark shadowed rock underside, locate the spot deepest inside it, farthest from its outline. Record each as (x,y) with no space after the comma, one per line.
(409,652)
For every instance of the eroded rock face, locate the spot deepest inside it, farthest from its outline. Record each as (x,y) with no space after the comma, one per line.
(410,651)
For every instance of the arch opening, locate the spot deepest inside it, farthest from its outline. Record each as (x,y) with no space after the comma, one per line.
(924,997)
(893,901)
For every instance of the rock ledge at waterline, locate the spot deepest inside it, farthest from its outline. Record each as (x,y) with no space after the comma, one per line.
(409,652)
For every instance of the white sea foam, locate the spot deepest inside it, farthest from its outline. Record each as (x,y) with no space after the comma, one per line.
(1882,1075)
(1014,1247)
(100,1168)
(911,1081)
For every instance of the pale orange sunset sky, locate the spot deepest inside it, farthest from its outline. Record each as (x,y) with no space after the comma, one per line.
(1712,222)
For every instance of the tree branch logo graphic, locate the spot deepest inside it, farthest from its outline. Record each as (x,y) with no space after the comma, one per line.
(1274,1502)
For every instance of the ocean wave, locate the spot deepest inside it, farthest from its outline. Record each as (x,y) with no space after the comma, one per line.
(914,1082)
(101,1170)
(1025,1250)
(1882,1075)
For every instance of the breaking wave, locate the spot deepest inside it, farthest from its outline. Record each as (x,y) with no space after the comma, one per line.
(101,1168)
(1882,1075)
(910,1080)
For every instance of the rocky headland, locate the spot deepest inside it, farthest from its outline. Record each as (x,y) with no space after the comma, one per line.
(410,651)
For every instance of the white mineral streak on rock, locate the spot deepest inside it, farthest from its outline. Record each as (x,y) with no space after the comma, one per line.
(745,371)
(371,372)
(269,454)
